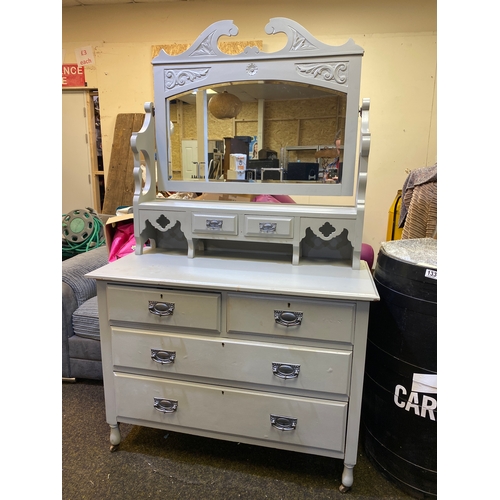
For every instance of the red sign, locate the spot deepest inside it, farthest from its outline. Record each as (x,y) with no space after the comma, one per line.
(73,75)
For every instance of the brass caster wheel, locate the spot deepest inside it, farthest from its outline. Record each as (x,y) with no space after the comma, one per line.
(344,489)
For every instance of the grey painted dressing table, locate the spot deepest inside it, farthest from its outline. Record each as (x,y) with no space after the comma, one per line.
(243,321)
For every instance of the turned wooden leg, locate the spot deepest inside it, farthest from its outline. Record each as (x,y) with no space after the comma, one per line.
(347,478)
(114,437)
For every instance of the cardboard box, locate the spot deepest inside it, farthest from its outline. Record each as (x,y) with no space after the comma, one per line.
(236,175)
(238,162)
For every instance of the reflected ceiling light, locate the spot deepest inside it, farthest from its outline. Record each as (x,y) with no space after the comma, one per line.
(224,105)
(209,91)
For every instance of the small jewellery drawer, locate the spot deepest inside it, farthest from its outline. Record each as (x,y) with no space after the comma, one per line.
(292,317)
(165,307)
(269,227)
(287,368)
(266,417)
(214,224)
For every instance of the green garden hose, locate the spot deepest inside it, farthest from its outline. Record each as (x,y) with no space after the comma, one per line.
(82,230)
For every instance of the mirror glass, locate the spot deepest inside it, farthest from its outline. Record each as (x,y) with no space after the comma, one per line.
(280,132)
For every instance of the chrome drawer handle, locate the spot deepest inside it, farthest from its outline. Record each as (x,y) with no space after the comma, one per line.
(162,357)
(285,370)
(283,423)
(288,318)
(215,224)
(267,227)
(161,308)
(166,405)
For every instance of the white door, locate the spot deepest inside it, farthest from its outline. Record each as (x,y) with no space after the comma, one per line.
(76,159)
(189,157)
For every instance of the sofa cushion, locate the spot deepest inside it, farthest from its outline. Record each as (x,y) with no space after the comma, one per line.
(75,269)
(86,320)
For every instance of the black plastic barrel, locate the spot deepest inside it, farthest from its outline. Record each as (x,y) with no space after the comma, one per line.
(399,412)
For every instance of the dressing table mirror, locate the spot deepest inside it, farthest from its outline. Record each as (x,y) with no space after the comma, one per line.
(236,319)
(301,104)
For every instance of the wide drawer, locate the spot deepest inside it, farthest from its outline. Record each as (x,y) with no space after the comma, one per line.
(287,368)
(269,227)
(313,423)
(291,317)
(169,308)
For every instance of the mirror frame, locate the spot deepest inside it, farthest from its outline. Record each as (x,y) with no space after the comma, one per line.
(303,59)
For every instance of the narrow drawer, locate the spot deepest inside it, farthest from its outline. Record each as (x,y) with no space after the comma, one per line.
(269,227)
(319,424)
(291,317)
(193,310)
(214,224)
(287,368)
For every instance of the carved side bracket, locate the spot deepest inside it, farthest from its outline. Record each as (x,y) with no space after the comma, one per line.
(144,142)
(365,141)
(364,152)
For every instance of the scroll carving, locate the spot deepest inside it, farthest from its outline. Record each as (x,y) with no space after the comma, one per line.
(327,71)
(178,78)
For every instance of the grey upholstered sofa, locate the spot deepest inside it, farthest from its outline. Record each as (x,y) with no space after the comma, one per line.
(81,347)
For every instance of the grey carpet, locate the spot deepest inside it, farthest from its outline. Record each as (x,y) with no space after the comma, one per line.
(156,464)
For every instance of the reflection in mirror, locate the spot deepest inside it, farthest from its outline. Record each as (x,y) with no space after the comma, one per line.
(279,132)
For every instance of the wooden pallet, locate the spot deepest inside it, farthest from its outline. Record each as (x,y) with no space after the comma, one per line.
(120,179)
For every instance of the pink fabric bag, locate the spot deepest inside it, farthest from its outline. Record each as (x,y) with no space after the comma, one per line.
(276,198)
(123,240)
